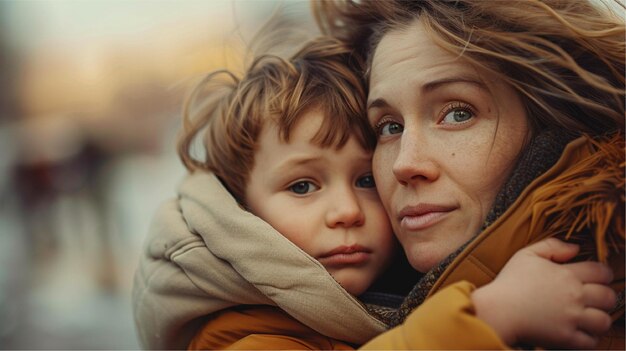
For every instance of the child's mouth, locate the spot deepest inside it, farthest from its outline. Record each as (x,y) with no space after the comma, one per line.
(345,255)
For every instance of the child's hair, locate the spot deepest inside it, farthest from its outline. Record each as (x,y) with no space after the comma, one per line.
(322,76)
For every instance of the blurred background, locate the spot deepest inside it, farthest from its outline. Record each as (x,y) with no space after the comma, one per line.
(90,106)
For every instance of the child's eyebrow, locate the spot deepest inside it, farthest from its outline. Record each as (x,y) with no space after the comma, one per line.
(296,161)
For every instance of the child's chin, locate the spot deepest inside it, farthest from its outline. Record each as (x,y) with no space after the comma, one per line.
(355,288)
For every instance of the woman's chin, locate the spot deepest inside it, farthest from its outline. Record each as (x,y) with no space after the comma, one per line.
(424,259)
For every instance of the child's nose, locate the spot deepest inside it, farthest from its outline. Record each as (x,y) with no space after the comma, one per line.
(345,211)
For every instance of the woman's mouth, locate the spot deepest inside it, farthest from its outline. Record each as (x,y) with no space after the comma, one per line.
(345,255)
(422,216)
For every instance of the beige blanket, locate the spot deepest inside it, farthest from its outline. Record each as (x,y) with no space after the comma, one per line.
(203,253)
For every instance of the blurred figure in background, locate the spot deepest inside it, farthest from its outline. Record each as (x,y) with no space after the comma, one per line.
(90,104)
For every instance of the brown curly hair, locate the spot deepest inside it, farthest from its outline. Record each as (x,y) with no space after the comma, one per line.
(320,76)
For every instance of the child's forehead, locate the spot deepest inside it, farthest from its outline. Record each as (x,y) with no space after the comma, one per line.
(303,146)
(308,124)
(316,127)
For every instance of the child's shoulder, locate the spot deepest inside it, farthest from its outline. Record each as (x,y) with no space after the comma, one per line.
(259,327)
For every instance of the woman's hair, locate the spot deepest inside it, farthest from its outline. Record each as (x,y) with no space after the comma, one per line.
(320,77)
(564,57)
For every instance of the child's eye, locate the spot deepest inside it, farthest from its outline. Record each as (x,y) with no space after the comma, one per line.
(366,182)
(303,187)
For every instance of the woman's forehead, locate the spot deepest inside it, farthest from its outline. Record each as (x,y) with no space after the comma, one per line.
(410,58)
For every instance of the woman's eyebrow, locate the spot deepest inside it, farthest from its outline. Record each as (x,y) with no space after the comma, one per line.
(380,102)
(432,85)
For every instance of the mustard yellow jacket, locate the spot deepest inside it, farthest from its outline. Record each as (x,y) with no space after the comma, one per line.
(176,297)
(581,199)
(445,321)
(561,199)
(559,203)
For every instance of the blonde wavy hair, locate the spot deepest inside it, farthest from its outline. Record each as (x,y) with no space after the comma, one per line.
(565,58)
(231,115)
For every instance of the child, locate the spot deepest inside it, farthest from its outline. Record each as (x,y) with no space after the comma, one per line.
(289,143)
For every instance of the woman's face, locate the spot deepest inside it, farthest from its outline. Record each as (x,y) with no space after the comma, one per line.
(448,138)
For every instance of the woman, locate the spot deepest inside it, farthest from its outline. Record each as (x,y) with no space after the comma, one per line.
(498,124)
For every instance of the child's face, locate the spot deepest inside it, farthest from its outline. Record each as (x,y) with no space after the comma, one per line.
(324,200)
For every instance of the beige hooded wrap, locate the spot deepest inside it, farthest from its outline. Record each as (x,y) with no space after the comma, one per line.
(201,235)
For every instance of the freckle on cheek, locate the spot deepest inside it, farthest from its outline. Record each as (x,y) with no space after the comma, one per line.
(453,154)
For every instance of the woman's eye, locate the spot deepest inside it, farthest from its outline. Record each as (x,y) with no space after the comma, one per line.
(366,182)
(389,128)
(457,115)
(303,187)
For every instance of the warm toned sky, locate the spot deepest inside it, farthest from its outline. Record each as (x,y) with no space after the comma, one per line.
(79,54)
(119,70)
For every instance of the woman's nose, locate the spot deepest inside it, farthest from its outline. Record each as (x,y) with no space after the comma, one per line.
(415,162)
(345,211)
